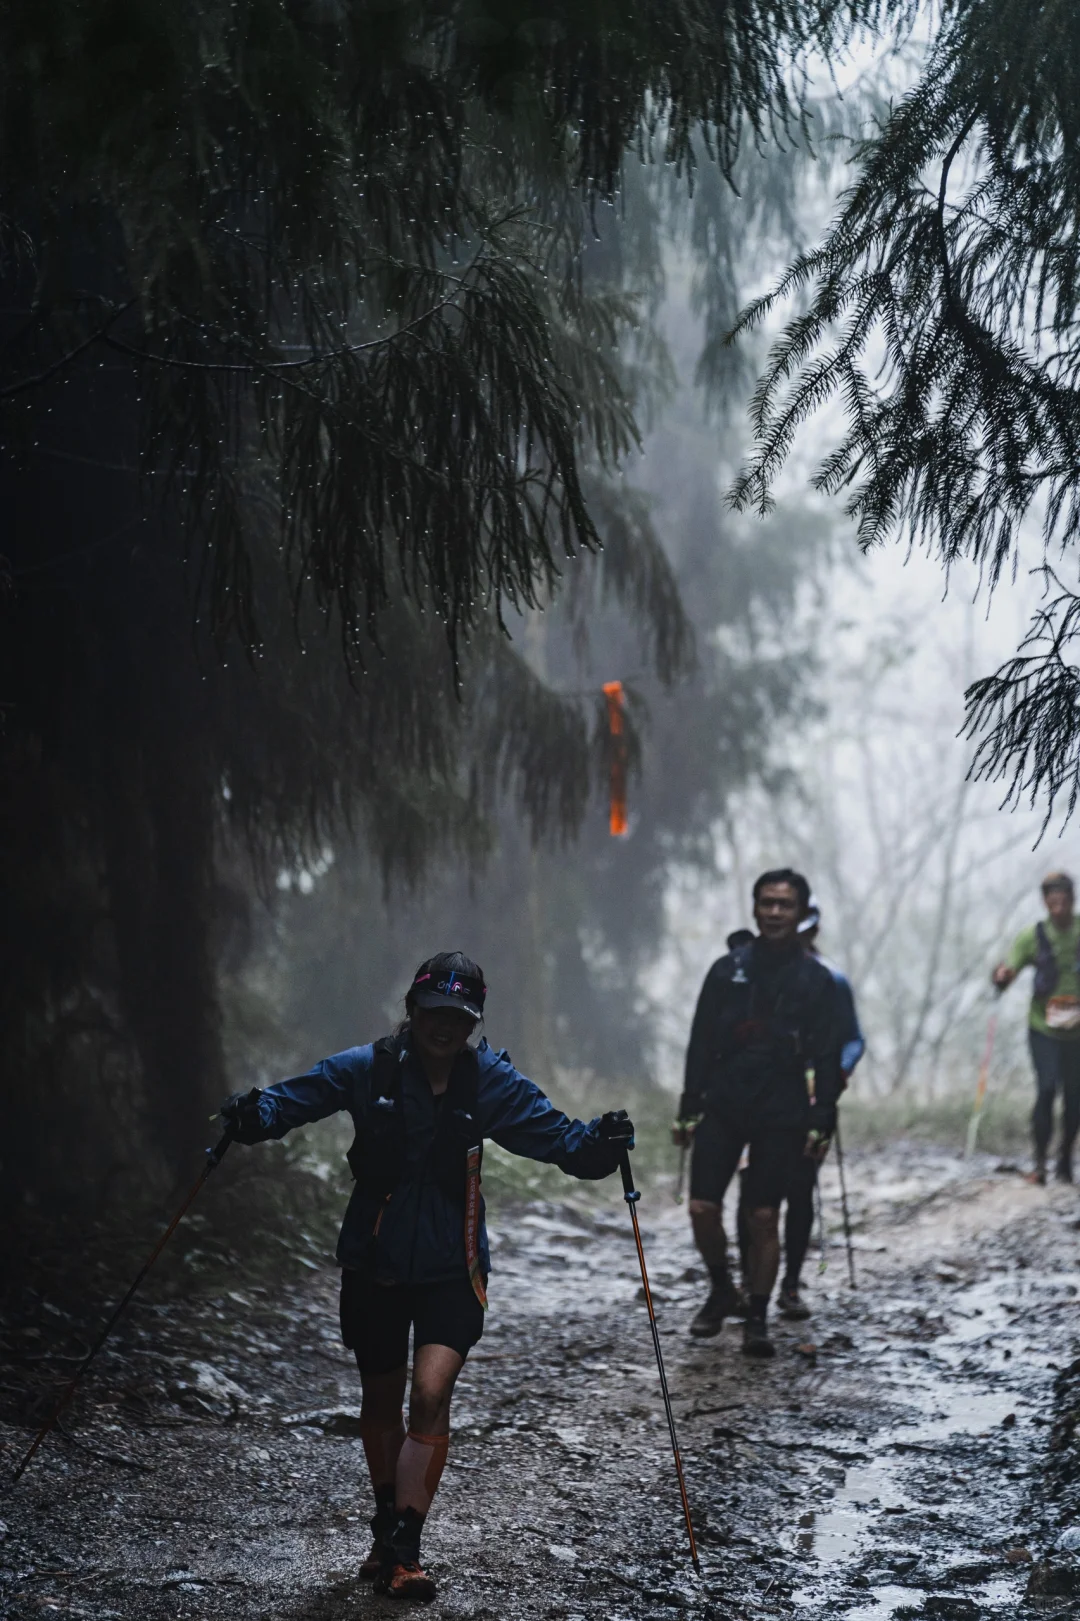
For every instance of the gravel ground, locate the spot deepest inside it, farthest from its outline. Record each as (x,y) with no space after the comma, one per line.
(910,1451)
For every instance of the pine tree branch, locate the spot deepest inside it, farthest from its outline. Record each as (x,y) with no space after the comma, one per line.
(24,384)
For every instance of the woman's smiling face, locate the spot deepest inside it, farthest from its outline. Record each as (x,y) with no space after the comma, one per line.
(440,1033)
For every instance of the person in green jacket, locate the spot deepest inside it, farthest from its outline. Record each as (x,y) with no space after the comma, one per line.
(1052,948)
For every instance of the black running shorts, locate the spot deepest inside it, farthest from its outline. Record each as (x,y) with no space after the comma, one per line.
(376,1318)
(775,1162)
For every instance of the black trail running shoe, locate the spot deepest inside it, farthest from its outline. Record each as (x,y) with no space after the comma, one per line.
(723,1301)
(756,1341)
(791,1304)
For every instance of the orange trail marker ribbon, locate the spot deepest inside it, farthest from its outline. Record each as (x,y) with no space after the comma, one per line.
(613,692)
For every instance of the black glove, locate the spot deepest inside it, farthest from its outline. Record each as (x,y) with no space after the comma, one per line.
(242,1118)
(617,1127)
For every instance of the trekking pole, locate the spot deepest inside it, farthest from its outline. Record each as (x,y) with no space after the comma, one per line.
(631,1195)
(214,1157)
(980,1089)
(844,1207)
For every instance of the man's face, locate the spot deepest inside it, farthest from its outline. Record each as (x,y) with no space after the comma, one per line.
(1059,903)
(777,912)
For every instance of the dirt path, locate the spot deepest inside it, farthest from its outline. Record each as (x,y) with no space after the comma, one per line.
(892,1470)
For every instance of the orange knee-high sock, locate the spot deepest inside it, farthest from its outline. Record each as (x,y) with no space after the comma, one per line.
(419,1470)
(383,1440)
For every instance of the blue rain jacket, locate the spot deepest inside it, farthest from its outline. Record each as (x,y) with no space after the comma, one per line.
(421,1236)
(854,1044)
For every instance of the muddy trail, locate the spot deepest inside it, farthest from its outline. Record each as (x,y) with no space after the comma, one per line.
(910,1451)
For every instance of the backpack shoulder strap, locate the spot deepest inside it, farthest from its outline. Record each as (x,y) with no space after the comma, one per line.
(377,1150)
(467,1100)
(461,1107)
(384,1078)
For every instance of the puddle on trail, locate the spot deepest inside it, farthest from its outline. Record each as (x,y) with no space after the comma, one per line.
(915,1489)
(882,1603)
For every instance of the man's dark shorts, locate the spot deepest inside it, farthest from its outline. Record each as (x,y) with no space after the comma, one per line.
(776,1155)
(376,1318)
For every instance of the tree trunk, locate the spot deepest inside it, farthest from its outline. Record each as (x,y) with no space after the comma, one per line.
(158,832)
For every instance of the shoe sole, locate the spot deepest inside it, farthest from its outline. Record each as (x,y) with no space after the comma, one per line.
(418,1594)
(799,1315)
(708,1333)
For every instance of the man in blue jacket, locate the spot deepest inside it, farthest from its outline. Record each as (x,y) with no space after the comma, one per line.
(413,1246)
(799,1217)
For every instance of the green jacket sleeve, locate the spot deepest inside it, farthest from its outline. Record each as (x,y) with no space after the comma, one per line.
(1023,950)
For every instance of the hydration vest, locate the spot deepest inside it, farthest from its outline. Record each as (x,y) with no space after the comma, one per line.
(378,1154)
(1047,972)
(745,1024)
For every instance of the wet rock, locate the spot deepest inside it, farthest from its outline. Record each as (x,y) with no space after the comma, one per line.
(970,1575)
(949,1606)
(184,1579)
(1049,1580)
(1019,1556)
(210,1391)
(341,1421)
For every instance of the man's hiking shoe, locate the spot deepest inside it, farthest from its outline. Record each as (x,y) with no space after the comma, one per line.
(756,1341)
(791,1304)
(1037,1177)
(723,1302)
(404,1579)
(1064,1170)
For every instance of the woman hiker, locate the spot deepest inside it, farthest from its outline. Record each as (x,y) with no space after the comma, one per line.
(413,1247)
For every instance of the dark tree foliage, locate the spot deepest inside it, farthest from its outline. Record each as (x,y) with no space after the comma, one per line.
(943,312)
(1024,716)
(300,391)
(567,936)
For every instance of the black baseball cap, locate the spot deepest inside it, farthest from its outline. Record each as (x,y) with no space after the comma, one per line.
(451,980)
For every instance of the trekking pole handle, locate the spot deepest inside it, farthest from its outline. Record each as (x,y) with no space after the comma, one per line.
(630,1193)
(215,1155)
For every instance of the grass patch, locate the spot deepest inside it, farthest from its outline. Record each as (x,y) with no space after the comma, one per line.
(1003,1129)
